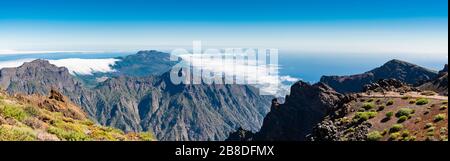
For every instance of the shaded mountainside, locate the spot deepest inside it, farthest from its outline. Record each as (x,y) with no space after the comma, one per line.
(182,112)
(394,69)
(306,106)
(148,103)
(53,118)
(439,84)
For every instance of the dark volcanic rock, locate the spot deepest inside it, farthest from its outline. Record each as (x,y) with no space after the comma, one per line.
(306,106)
(329,130)
(241,135)
(389,85)
(439,84)
(394,69)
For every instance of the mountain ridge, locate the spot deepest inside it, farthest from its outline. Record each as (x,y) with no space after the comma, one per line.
(396,69)
(132,103)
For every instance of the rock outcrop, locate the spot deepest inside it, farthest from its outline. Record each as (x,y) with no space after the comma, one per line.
(439,84)
(389,85)
(306,106)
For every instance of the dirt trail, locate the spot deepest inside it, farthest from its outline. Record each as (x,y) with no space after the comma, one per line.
(410,94)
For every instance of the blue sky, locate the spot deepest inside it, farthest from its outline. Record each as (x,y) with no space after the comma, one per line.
(340,26)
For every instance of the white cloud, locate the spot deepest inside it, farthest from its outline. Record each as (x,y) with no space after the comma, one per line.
(258,76)
(74,65)
(14,63)
(86,66)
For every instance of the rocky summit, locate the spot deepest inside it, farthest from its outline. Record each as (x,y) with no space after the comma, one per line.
(395,69)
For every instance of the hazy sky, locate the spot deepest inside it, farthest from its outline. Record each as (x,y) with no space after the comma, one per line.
(413,27)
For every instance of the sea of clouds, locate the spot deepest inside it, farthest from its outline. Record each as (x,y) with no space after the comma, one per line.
(258,75)
(74,65)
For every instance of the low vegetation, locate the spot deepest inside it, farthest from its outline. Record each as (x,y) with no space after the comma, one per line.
(404,112)
(364,116)
(368,106)
(390,103)
(32,121)
(396,128)
(422,101)
(439,117)
(374,136)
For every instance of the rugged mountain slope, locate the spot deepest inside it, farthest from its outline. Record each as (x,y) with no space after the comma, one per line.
(185,112)
(54,118)
(39,76)
(306,106)
(439,84)
(387,115)
(394,69)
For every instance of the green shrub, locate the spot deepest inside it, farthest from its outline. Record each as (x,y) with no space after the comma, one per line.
(396,128)
(422,101)
(68,135)
(444,107)
(368,106)
(389,114)
(146,136)
(13,112)
(404,112)
(439,117)
(9,133)
(428,125)
(394,136)
(406,97)
(370,100)
(412,101)
(364,116)
(374,136)
(444,102)
(402,119)
(409,138)
(417,120)
(385,131)
(405,133)
(32,111)
(390,103)
(443,130)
